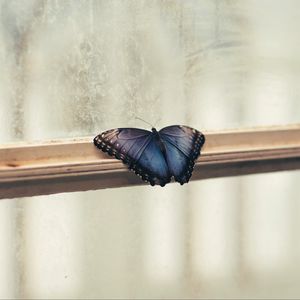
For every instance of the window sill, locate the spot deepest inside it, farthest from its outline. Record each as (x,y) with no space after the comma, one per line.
(77,165)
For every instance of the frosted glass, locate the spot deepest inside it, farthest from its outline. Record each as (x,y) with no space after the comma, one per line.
(75,68)
(223,238)
(71,68)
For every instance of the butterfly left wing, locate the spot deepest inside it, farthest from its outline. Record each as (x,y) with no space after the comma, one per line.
(139,150)
(122,142)
(183,145)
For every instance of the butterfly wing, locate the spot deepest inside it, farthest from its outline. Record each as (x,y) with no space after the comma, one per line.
(183,145)
(139,150)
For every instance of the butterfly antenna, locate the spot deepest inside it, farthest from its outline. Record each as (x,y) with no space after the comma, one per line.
(157,122)
(144,121)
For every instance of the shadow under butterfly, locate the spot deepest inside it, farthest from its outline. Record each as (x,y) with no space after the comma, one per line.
(156,156)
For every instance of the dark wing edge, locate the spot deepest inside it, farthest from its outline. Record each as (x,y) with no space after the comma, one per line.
(101,141)
(198,140)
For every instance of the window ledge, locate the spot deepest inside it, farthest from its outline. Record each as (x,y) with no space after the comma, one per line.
(77,165)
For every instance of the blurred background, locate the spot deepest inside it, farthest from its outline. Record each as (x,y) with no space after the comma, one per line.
(76,68)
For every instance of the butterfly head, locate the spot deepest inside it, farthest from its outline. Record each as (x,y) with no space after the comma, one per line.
(154,130)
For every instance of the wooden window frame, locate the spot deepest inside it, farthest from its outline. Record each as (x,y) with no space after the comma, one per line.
(69,165)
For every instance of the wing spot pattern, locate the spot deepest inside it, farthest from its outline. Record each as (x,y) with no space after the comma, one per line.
(99,142)
(197,140)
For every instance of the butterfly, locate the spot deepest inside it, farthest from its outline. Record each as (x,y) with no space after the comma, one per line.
(156,156)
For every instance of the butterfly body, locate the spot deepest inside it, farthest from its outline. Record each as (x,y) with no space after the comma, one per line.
(159,142)
(156,156)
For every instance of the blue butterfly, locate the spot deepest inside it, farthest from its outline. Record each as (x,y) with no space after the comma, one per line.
(156,156)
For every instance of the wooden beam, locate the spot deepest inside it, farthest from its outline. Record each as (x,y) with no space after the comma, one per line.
(77,165)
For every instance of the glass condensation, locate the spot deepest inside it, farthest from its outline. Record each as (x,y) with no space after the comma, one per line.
(75,68)
(72,68)
(217,238)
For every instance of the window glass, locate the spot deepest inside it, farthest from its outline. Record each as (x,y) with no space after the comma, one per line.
(234,237)
(74,68)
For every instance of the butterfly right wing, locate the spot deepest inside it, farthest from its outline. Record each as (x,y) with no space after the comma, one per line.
(183,145)
(139,150)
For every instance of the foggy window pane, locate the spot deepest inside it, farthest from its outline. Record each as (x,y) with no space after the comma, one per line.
(76,68)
